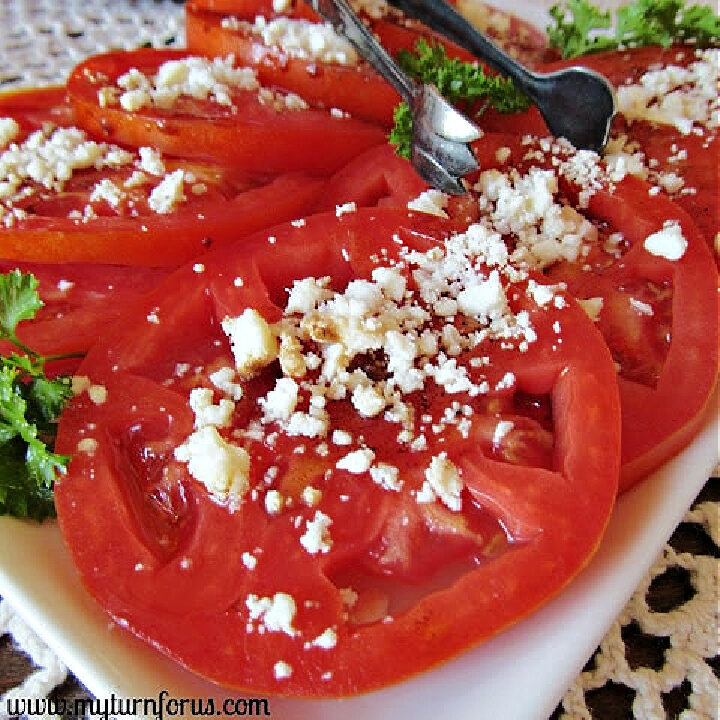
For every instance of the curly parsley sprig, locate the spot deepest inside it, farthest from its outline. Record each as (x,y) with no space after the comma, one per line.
(462,83)
(30,404)
(581,28)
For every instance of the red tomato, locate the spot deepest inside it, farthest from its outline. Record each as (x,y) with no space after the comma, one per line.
(355,89)
(518,37)
(668,360)
(34,107)
(538,466)
(79,300)
(693,157)
(66,221)
(249,9)
(377,177)
(657,315)
(248,134)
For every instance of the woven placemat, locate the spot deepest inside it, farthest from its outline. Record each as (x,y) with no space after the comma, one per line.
(660,659)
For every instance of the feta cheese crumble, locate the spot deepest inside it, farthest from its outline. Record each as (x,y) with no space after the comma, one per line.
(224,468)
(669,242)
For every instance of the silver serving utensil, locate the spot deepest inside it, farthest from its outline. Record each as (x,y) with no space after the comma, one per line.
(440,151)
(576,103)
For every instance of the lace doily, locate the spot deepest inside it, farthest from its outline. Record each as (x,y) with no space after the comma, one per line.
(42,40)
(659,660)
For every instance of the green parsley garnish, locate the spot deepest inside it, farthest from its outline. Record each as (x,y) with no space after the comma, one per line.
(581,28)
(462,83)
(30,404)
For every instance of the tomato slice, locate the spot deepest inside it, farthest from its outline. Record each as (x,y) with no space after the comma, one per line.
(249,9)
(78,300)
(583,224)
(240,130)
(483,489)
(377,177)
(111,208)
(355,88)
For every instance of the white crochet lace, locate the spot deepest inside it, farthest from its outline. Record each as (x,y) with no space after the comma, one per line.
(40,42)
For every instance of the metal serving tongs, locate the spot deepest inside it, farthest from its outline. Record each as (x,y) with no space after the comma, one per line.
(441,134)
(576,103)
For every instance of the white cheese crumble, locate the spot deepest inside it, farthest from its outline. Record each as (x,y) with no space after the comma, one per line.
(282,670)
(525,206)
(345,208)
(303,39)
(206,412)
(356,462)
(276,613)
(222,467)
(253,342)
(669,242)
(81,383)
(386,476)
(169,193)
(311,496)
(431,202)
(684,97)
(194,77)
(249,560)
(108,191)
(327,640)
(501,430)
(224,380)
(280,403)
(274,502)
(151,161)
(316,538)
(88,446)
(9,130)
(50,157)
(443,481)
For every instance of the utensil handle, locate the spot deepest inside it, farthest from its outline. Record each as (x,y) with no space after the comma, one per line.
(343,18)
(442,17)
